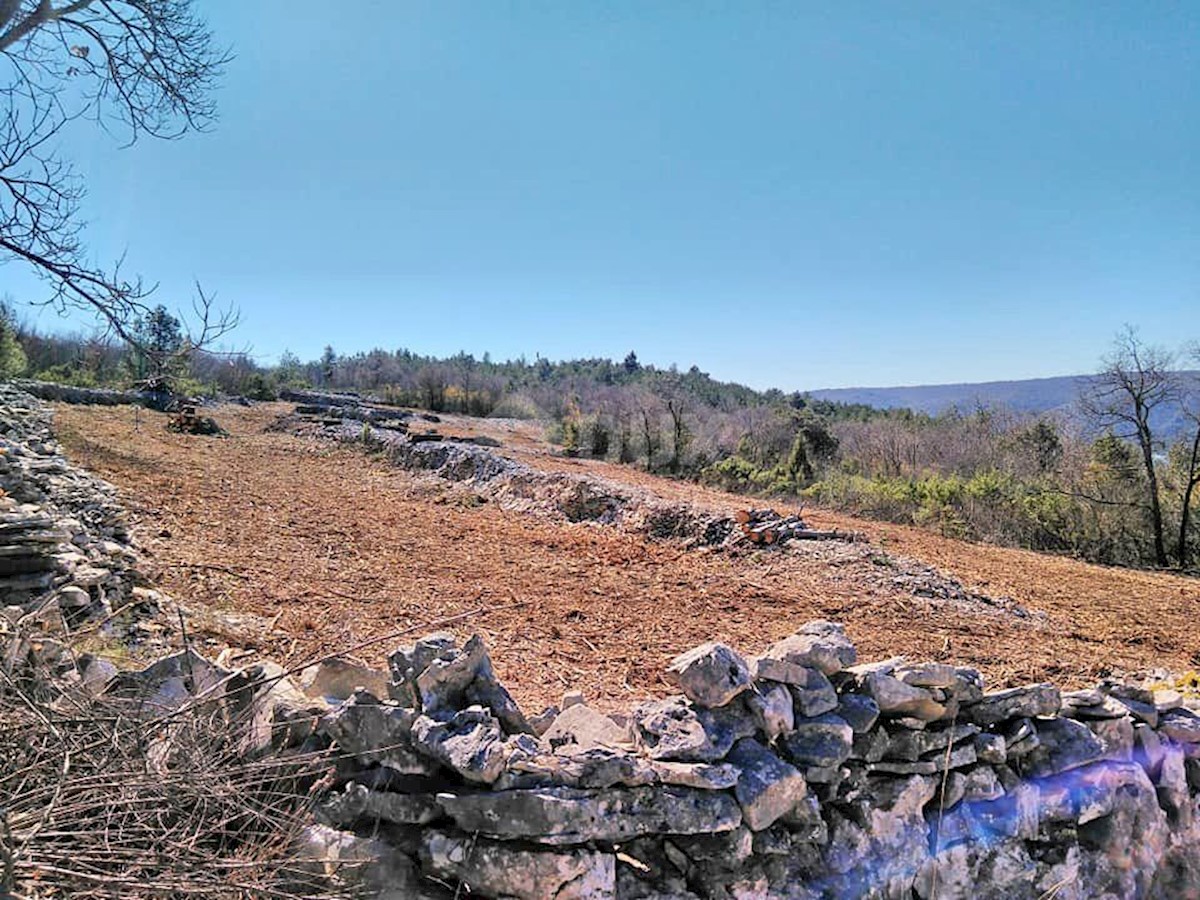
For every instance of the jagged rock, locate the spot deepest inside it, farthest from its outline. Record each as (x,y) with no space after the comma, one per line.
(859,711)
(768,787)
(560,816)
(980,783)
(599,767)
(499,870)
(709,675)
(572,698)
(276,712)
(376,732)
(813,696)
(1064,744)
(580,727)
(805,823)
(823,741)
(672,729)
(471,742)
(1014,703)
(542,721)
(871,747)
(820,645)
(721,852)
(336,680)
(439,678)
(170,682)
(773,709)
(1148,748)
(1166,700)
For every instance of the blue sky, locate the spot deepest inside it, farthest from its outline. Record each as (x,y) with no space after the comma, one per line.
(786,194)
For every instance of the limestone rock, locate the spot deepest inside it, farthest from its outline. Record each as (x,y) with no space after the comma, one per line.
(814,695)
(373,731)
(1014,703)
(495,869)
(819,644)
(768,787)
(357,802)
(859,711)
(696,775)
(823,741)
(895,698)
(672,729)
(773,709)
(913,745)
(562,816)
(709,675)
(579,727)
(470,742)
(369,864)
(336,680)
(1064,744)
(1181,725)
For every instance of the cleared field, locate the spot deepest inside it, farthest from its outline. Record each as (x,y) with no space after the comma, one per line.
(337,546)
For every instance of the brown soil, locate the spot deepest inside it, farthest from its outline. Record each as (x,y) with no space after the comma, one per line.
(338,546)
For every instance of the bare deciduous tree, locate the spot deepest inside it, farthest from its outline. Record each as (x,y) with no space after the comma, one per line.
(1135,380)
(132,67)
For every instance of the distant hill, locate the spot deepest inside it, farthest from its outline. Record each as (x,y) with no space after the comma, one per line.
(1032,395)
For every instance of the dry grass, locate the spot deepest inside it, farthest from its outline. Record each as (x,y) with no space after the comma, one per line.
(341,546)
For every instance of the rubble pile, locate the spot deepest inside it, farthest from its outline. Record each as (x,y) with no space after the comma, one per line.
(64,537)
(797,773)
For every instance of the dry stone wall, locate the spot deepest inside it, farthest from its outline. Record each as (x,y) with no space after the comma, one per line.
(798,773)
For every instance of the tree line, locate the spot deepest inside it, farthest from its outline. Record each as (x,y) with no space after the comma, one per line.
(1104,482)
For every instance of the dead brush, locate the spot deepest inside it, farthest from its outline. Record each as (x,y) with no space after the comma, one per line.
(99,798)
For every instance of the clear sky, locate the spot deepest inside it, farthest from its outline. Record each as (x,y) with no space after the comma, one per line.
(790,194)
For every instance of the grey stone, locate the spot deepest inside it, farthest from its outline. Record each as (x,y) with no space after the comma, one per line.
(1148,748)
(895,698)
(928,675)
(805,823)
(991,748)
(439,678)
(709,675)
(496,869)
(560,816)
(860,712)
(1115,736)
(598,767)
(1014,703)
(1064,744)
(579,727)
(363,864)
(471,742)
(958,758)
(768,787)
(1180,725)
(815,696)
(673,729)
(981,783)
(375,732)
(771,704)
(912,745)
(704,776)
(357,802)
(822,741)
(819,645)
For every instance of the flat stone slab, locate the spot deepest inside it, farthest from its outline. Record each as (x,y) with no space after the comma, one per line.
(1014,703)
(559,816)
(768,788)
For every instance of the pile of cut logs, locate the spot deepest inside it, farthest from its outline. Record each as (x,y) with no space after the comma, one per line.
(765,526)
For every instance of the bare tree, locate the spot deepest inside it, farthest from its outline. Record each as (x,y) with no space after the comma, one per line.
(134,68)
(1135,380)
(1191,469)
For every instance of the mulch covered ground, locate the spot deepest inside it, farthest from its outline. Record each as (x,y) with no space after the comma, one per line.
(335,546)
